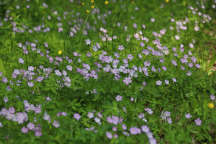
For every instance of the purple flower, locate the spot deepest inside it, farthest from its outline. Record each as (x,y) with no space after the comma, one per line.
(121,47)
(127,80)
(145,128)
(188,116)
(69,67)
(212,97)
(40,78)
(135,131)
(174,62)
(24,130)
(152,141)
(114,128)
(197,66)
(198,122)
(97,120)
(77,116)
(90,115)
(31,68)
(4,80)
(124,127)
(148,110)
(46,117)
(30,126)
(58,73)
(164,68)
(11,110)
(166,82)
(158,82)
(109,135)
(30,84)
(118,98)
(174,79)
(5,99)
(56,124)
(21,117)
(38,133)
(169,120)
(189,73)
(21,61)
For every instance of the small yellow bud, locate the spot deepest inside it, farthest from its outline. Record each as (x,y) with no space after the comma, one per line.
(92,6)
(106,2)
(87,11)
(92,1)
(211,105)
(60,52)
(166,1)
(82,3)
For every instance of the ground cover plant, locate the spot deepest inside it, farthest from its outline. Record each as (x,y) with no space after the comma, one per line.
(117,71)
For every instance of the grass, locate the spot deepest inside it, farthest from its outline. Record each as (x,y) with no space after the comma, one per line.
(157,89)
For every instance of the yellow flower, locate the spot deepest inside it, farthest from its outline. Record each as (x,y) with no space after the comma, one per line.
(106,2)
(211,105)
(92,1)
(60,52)
(87,11)
(82,3)
(92,6)
(166,1)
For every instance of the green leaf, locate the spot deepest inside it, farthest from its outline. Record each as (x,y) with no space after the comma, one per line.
(2,67)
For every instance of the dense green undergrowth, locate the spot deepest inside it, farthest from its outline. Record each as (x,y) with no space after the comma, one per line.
(115,71)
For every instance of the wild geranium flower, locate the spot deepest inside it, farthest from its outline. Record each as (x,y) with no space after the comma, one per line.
(149,111)
(109,135)
(21,117)
(21,61)
(30,84)
(24,130)
(38,133)
(88,42)
(177,37)
(145,128)
(121,47)
(114,128)
(135,131)
(124,127)
(46,117)
(77,116)
(90,115)
(212,97)
(158,82)
(198,122)
(5,99)
(4,80)
(169,120)
(141,115)
(174,79)
(127,80)
(56,124)
(118,98)
(166,82)
(97,120)
(188,116)
(30,126)
(58,73)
